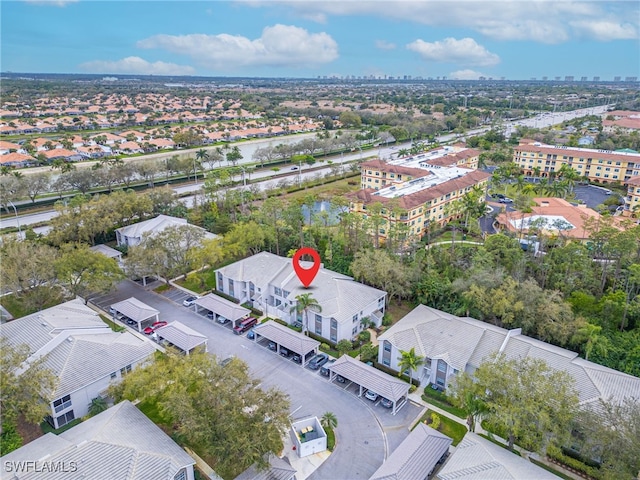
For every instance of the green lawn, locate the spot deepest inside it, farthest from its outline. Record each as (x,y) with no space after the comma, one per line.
(16,307)
(450,428)
(439,399)
(114,326)
(200,282)
(47,428)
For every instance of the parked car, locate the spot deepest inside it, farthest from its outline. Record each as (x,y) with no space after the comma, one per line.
(340,379)
(371,395)
(222,320)
(251,334)
(148,331)
(294,168)
(324,370)
(317,361)
(158,324)
(386,403)
(211,315)
(497,195)
(129,321)
(296,358)
(189,301)
(284,352)
(273,346)
(505,200)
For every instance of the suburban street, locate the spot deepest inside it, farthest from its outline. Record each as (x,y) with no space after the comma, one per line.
(367,433)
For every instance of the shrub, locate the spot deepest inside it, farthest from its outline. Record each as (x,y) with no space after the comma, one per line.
(364,336)
(435,421)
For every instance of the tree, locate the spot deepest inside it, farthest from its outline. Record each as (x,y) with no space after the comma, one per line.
(344,346)
(222,409)
(464,393)
(304,303)
(35,184)
(526,400)
(368,352)
(166,254)
(25,391)
(329,420)
(409,361)
(380,269)
(97,405)
(589,335)
(234,155)
(85,272)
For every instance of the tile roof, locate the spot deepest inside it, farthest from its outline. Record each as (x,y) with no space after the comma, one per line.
(383,166)
(222,306)
(181,336)
(286,337)
(120,442)
(370,378)
(38,329)
(278,469)
(82,359)
(465,342)
(415,457)
(135,309)
(478,459)
(159,223)
(106,250)
(339,295)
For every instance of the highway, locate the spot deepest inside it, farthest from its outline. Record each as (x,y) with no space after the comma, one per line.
(304,171)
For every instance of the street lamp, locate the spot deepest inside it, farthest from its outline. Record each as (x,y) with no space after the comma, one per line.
(17,219)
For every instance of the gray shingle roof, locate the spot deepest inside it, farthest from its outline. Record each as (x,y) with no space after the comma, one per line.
(415,457)
(120,442)
(286,337)
(181,336)
(370,378)
(106,250)
(157,224)
(135,309)
(278,469)
(478,459)
(222,306)
(38,329)
(80,360)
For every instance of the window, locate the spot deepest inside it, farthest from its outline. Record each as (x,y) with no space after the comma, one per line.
(386,362)
(65,418)
(181,475)
(114,375)
(355,318)
(62,403)
(354,331)
(387,347)
(285,293)
(334,323)
(442,366)
(220,282)
(231,287)
(125,370)
(277,291)
(334,337)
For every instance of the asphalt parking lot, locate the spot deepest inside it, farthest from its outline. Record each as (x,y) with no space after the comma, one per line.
(367,432)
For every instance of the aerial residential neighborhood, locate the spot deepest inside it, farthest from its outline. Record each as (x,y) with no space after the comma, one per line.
(319,240)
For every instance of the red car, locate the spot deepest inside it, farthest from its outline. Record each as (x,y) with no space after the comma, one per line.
(154,326)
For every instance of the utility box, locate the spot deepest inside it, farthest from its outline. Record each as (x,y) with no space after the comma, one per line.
(309,437)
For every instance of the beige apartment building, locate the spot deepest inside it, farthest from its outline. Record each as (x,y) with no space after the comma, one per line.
(416,192)
(632,200)
(603,166)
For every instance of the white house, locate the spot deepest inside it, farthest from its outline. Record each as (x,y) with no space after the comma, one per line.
(269,283)
(120,442)
(83,353)
(132,235)
(450,344)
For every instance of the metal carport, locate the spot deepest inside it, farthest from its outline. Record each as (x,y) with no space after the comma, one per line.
(222,307)
(136,310)
(371,378)
(287,338)
(183,337)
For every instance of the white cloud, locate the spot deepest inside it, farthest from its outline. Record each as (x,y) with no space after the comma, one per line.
(136,66)
(464,52)
(384,45)
(53,3)
(544,21)
(465,75)
(279,45)
(606,30)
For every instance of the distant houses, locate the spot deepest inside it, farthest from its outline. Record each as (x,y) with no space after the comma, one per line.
(132,235)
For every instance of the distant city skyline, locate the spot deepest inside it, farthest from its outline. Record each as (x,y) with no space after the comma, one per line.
(374,39)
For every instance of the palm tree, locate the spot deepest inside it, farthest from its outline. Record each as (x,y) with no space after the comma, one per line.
(304,303)
(202,155)
(97,406)
(409,361)
(590,335)
(329,420)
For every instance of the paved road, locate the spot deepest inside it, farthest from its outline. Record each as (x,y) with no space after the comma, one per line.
(366,433)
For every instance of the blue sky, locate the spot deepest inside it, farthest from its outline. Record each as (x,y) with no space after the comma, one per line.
(516,39)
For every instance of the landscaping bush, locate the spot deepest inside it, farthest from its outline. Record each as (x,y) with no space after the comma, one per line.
(255,311)
(224,295)
(390,371)
(331,439)
(555,454)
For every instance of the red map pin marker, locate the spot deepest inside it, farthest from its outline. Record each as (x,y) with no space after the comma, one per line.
(306,275)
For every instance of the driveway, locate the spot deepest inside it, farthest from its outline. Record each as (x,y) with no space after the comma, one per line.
(367,433)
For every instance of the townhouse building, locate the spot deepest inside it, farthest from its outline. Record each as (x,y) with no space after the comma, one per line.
(269,283)
(632,200)
(603,166)
(450,344)
(83,353)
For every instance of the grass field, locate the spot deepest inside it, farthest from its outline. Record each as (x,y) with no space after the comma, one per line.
(450,428)
(397,310)
(328,190)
